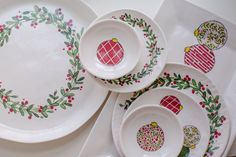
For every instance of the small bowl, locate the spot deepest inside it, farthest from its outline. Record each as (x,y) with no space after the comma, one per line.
(109,49)
(151,131)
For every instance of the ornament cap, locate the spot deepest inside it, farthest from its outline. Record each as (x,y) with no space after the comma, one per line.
(154,124)
(114,40)
(196,32)
(187,49)
(193,147)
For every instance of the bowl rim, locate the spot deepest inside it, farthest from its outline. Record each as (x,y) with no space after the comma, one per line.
(154,107)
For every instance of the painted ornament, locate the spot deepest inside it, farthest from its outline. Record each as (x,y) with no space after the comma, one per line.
(200,57)
(192,136)
(171,102)
(212,33)
(150,137)
(110,52)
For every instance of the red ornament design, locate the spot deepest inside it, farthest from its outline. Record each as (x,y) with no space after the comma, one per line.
(110,52)
(200,57)
(171,102)
(150,137)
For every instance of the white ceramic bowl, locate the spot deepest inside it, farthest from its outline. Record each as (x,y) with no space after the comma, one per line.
(109,49)
(151,131)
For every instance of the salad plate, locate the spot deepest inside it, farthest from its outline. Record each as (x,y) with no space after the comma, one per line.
(153,56)
(198,87)
(44,90)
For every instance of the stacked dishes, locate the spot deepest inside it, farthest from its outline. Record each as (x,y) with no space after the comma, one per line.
(123,53)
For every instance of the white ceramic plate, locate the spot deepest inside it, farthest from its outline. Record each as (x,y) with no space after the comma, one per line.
(189,113)
(45,92)
(199,88)
(151,130)
(153,58)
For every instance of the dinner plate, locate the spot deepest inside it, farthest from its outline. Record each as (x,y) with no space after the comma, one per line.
(196,85)
(153,57)
(194,122)
(45,92)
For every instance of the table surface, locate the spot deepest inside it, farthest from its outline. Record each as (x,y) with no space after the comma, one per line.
(70,145)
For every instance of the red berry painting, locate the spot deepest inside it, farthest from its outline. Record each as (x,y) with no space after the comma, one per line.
(200,57)
(172,103)
(150,137)
(211,35)
(110,52)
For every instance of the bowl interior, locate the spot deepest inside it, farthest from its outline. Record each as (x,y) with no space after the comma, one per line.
(110,49)
(151,131)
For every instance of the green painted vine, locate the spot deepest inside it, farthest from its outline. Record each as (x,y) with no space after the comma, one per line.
(63,97)
(209,102)
(151,45)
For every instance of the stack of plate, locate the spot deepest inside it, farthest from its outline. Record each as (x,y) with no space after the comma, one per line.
(124,50)
(182,90)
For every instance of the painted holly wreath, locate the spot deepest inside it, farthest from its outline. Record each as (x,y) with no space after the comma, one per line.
(209,102)
(62,97)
